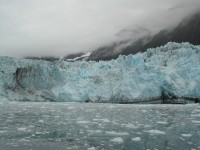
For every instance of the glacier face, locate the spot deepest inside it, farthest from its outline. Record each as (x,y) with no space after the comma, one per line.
(170,70)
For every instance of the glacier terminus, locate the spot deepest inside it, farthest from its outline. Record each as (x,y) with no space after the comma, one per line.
(168,72)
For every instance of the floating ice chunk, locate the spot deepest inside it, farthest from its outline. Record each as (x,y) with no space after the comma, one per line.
(131,126)
(1,132)
(24,140)
(38,132)
(83,122)
(196,121)
(21,129)
(190,143)
(196,110)
(117,133)
(147,126)
(70,107)
(186,135)
(182,138)
(195,115)
(162,122)
(91,148)
(101,120)
(136,139)
(117,140)
(94,131)
(155,132)
(41,121)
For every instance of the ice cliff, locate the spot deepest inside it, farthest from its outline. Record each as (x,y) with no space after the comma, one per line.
(170,71)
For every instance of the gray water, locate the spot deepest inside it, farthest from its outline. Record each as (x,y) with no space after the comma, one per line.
(63,126)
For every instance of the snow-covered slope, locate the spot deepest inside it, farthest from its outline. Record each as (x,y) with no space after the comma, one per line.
(171,70)
(82,57)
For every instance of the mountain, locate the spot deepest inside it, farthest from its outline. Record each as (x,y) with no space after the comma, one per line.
(165,73)
(46,58)
(69,58)
(187,31)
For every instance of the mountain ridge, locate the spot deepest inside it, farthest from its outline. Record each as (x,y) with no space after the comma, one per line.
(187,31)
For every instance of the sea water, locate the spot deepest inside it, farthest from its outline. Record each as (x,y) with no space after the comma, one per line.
(63,126)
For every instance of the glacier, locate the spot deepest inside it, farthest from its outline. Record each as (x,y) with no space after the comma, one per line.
(169,71)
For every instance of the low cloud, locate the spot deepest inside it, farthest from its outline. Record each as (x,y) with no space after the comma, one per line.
(51,27)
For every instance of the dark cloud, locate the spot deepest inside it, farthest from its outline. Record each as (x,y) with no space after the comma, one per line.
(52,27)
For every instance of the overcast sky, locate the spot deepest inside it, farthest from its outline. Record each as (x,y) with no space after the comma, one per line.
(60,27)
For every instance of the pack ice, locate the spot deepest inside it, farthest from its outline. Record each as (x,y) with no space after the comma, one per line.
(172,70)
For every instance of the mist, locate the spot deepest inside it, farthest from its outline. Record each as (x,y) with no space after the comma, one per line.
(58,28)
